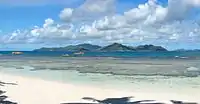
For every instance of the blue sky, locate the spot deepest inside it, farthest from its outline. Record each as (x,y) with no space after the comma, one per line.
(31,15)
(26,25)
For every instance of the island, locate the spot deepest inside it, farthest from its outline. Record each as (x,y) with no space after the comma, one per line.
(150,48)
(115,47)
(72,48)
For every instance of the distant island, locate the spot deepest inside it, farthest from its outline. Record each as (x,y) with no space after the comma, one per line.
(187,50)
(115,47)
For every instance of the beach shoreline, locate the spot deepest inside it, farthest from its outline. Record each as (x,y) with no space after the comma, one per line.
(31,90)
(37,91)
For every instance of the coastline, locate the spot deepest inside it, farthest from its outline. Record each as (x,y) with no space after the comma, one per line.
(37,91)
(31,90)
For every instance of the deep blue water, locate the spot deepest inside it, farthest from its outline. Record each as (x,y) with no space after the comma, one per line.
(170,54)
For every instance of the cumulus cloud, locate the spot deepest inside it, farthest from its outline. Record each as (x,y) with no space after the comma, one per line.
(48,22)
(48,33)
(66,14)
(149,12)
(146,23)
(89,10)
(178,9)
(110,22)
(195,3)
(97,6)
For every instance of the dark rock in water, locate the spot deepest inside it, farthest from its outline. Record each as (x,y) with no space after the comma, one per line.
(117,47)
(150,48)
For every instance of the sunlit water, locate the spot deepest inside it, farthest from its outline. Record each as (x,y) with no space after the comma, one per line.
(157,75)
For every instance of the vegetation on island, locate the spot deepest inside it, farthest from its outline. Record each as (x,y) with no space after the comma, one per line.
(108,48)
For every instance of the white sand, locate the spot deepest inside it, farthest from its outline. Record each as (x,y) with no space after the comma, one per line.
(36,91)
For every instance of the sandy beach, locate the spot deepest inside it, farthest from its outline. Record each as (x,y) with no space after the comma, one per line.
(37,91)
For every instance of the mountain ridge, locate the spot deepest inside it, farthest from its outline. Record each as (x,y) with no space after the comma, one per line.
(108,48)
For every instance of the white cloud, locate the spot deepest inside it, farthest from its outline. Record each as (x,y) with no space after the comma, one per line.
(48,22)
(147,13)
(48,33)
(66,14)
(110,22)
(89,10)
(147,23)
(97,6)
(195,3)
(178,9)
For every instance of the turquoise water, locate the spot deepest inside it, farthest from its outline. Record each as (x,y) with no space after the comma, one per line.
(127,74)
(166,55)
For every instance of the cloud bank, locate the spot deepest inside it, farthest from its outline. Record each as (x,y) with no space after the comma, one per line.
(98,22)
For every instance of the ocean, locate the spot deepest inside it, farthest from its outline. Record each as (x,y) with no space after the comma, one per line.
(168,54)
(137,71)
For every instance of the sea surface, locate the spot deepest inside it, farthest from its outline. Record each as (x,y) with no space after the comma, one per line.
(137,71)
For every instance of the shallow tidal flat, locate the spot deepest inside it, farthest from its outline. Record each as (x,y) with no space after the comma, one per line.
(179,77)
(104,66)
(115,66)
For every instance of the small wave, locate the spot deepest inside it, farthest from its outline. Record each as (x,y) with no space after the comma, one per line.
(181,57)
(192,72)
(193,69)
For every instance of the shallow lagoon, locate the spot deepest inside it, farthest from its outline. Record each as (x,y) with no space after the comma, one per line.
(138,75)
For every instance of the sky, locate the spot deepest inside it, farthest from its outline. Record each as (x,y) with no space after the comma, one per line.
(31,24)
